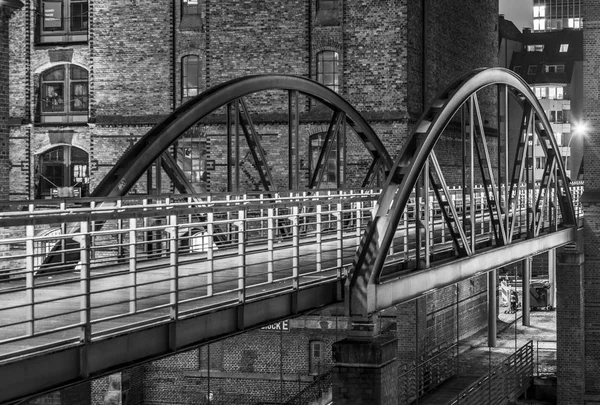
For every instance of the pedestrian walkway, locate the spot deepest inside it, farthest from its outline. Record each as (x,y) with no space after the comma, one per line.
(476,359)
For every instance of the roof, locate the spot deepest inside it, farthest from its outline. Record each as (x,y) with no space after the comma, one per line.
(549,53)
(508,30)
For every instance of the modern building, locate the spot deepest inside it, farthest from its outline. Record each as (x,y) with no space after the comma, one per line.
(552,64)
(552,15)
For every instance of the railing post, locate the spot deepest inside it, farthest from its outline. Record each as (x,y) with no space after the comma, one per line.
(295,246)
(319,236)
(132,266)
(210,230)
(85,300)
(270,242)
(241,222)
(29,279)
(174,280)
(340,239)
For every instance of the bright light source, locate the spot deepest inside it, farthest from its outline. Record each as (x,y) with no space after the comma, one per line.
(580,128)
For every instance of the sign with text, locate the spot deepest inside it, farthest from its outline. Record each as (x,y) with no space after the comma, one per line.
(279,326)
(52,14)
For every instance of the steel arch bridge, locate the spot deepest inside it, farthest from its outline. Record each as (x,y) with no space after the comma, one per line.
(421,234)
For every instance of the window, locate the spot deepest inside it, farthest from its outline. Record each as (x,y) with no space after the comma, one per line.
(532,69)
(535,48)
(191,15)
(539,24)
(63,21)
(62,171)
(552,93)
(574,23)
(327,12)
(555,68)
(190,76)
(564,47)
(64,94)
(328,67)
(539,11)
(518,69)
(315,360)
(560,93)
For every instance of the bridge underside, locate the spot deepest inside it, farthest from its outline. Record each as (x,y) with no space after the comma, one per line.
(56,369)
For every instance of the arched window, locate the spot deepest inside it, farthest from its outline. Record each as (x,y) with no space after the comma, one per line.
(190,76)
(64,94)
(63,171)
(328,69)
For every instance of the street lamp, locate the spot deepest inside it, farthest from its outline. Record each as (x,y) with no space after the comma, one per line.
(579,128)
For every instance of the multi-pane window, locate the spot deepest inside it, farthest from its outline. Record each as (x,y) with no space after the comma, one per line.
(532,69)
(555,68)
(330,169)
(564,48)
(191,15)
(535,48)
(63,20)
(64,94)
(63,172)
(190,76)
(328,69)
(316,357)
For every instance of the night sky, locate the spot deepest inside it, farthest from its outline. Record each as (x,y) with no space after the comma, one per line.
(520,12)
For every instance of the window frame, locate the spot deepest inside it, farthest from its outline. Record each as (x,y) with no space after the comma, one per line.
(185,90)
(65,167)
(563,48)
(67,96)
(321,72)
(315,363)
(68,31)
(532,69)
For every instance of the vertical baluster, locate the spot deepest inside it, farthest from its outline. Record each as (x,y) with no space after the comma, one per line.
(241,256)
(405,230)
(132,266)
(340,241)
(319,234)
(85,297)
(173,279)
(270,242)
(210,230)
(296,245)
(29,280)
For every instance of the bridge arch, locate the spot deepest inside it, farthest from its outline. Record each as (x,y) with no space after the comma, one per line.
(416,157)
(138,159)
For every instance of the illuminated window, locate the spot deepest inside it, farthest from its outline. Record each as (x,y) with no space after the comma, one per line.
(574,23)
(64,94)
(564,47)
(539,11)
(63,21)
(535,48)
(190,76)
(328,69)
(560,93)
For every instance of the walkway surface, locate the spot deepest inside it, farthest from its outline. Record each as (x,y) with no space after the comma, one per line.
(476,359)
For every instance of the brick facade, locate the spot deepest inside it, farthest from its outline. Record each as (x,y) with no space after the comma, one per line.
(591,280)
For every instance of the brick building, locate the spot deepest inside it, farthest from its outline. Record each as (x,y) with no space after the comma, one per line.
(89,78)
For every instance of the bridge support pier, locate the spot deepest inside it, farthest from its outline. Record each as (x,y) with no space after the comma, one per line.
(365,371)
(492,306)
(570,324)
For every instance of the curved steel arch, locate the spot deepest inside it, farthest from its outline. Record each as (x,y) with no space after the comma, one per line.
(378,236)
(138,159)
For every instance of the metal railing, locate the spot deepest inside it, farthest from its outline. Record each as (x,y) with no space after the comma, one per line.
(506,384)
(76,270)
